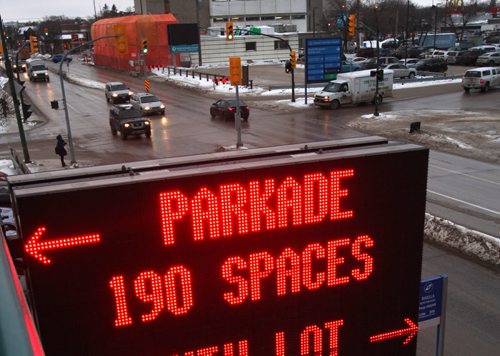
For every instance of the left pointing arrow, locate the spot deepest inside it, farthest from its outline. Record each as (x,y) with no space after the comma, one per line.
(34,246)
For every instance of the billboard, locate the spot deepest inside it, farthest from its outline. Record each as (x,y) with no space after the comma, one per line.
(294,254)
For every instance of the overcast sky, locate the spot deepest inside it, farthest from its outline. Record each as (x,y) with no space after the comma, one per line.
(25,10)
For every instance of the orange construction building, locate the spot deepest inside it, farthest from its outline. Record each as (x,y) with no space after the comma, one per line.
(136,29)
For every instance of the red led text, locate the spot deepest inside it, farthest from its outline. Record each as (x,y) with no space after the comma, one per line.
(297,271)
(256,206)
(171,292)
(228,349)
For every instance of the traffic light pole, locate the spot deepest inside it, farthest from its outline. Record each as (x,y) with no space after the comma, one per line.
(66,115)
(10,75)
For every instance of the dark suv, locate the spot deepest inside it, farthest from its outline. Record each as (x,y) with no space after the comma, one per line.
(432,65)
(127,121)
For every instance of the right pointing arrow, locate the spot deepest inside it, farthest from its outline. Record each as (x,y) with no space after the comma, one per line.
(410,331)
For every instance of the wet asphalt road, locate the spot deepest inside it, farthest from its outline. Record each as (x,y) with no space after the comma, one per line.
(188,129)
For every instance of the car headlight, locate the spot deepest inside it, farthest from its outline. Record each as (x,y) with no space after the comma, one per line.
(130,93)
(35,74)
(115,95)
(147,108)
(126,125)
(162,106)
(147,123)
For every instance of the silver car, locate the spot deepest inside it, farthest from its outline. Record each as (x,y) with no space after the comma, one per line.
(116,92)
(490,58)
(402,71)
(147,103)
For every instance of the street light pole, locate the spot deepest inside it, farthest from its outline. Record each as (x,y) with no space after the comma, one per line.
(435,23)
(66,115)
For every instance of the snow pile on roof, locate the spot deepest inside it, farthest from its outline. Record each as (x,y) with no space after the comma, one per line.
(473,243)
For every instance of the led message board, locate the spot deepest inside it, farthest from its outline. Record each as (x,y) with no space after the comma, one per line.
(310,254)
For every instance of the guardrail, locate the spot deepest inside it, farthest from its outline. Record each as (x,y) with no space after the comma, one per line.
(208,76)
(18,335)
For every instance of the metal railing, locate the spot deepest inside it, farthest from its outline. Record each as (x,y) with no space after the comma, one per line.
(200,75)
(18,334)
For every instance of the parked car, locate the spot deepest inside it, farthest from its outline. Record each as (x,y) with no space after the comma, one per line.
(467,58)
(452,56)
(147,103)
(126,120)
(349,67)
(484,48)
(383,61)
(402,71)
(116,91)
(490,58)
(432,65)
(482,78)
(226,108)
(410,52)
(410,62)
(357,60)
(56,58)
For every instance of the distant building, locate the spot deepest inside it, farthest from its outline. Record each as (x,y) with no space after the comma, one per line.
(299,15)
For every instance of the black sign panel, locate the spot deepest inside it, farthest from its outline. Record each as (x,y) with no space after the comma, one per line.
(183,34)
(320,253)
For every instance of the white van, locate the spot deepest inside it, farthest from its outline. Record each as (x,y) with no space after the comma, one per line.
(355,87)
(37,70)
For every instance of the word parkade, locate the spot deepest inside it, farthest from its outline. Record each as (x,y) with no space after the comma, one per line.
(237,210)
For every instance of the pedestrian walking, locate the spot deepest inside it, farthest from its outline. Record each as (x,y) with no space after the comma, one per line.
(60,150)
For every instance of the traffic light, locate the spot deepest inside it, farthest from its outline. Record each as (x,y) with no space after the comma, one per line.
(293,59)
(121,39)
(26,111)
(288,67)
(145,46)
(352,25)
(33,44)
(229,31)
(379,74)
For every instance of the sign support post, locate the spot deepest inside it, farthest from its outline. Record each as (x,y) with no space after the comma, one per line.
(442,326)
(235,78)
(432,307)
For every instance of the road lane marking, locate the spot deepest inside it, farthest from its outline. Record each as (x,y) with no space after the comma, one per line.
(464,174)
(464,202)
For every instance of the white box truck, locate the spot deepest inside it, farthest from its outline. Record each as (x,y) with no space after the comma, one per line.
(37,70)
(354,88)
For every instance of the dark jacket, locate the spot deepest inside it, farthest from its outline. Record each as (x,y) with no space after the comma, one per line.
(60,150)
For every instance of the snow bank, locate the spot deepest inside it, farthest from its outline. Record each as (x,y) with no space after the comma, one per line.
(472,243)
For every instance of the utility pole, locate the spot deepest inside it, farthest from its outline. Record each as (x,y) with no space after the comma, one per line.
(10,75)
(435,23)
(66,115)
(198,24)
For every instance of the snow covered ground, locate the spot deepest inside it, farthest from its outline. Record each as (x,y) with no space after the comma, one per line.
(484,247)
